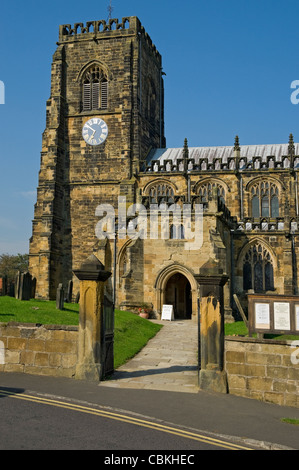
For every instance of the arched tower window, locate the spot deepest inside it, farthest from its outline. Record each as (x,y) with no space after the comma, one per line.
(264,200)
(258,271)
(95,89)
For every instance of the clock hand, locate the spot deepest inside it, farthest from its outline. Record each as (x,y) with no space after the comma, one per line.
(86,125)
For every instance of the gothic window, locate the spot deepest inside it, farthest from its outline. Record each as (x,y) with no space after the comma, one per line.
(161,193)
(258,269)
(205,192)
(264,200)
(95,89)
(123,265)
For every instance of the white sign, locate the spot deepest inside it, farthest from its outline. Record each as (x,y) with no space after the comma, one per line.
(167,312)
(262,316)
(282,316)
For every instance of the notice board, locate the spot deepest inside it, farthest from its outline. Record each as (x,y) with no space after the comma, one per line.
(273,314)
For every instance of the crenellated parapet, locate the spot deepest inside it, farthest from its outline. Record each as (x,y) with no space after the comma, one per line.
(236,158)
(93,27)
(216,164)
(101,28)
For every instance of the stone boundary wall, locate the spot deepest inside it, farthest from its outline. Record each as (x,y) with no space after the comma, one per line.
(50,350)
(263,369)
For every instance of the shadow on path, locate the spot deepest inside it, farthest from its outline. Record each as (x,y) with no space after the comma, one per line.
(124,374)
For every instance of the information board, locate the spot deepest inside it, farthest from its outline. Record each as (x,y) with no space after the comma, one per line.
(273,313)
(282,316)
(167,312)
(262,315)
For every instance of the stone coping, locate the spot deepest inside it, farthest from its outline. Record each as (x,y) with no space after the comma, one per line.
(247,339)
(40,325)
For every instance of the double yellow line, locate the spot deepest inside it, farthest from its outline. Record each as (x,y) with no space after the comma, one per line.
(125,419)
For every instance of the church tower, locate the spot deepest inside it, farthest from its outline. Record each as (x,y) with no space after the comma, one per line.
(104,115)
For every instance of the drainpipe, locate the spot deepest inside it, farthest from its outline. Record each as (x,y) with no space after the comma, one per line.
(296,193)
(114,264)
(189,187)
(140,75)
(198,329)
(241,198)
(294,265)
(160,110)
(232,270)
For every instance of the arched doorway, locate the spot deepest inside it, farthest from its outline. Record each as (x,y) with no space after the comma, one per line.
(178,293)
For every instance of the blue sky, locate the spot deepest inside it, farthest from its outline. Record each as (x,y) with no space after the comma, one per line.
(229,66)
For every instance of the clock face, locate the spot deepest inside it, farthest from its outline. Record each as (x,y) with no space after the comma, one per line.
(95,131)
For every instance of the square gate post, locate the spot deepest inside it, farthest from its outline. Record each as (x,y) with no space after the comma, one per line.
(92,276)
(212,375)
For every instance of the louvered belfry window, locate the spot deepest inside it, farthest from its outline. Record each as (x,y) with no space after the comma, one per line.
(95,90)
(104,94)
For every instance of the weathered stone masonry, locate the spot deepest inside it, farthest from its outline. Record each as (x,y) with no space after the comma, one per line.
(249,192)
(49,350)
(74,177)
(263,369)
(258,369)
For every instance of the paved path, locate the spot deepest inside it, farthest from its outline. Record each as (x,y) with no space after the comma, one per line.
(168,362)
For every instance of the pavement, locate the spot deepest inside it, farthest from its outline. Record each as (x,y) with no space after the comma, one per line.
(168,362)
(161,383)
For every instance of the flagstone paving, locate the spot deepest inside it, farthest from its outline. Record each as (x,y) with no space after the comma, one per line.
(168,362)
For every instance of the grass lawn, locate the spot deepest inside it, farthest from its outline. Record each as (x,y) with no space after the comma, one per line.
(130,336)
(290,421)
(239,329)
(37,311)
(131,332)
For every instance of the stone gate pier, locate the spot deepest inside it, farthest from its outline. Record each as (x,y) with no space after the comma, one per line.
(92,276)
(212,375)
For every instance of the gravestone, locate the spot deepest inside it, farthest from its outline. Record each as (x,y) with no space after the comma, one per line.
(21,287)
(25,286)
(11,289)
(33,288)
(69,296)
(17,284)
(4,285)
(60,297)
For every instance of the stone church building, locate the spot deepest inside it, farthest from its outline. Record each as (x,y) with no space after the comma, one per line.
(104,139)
